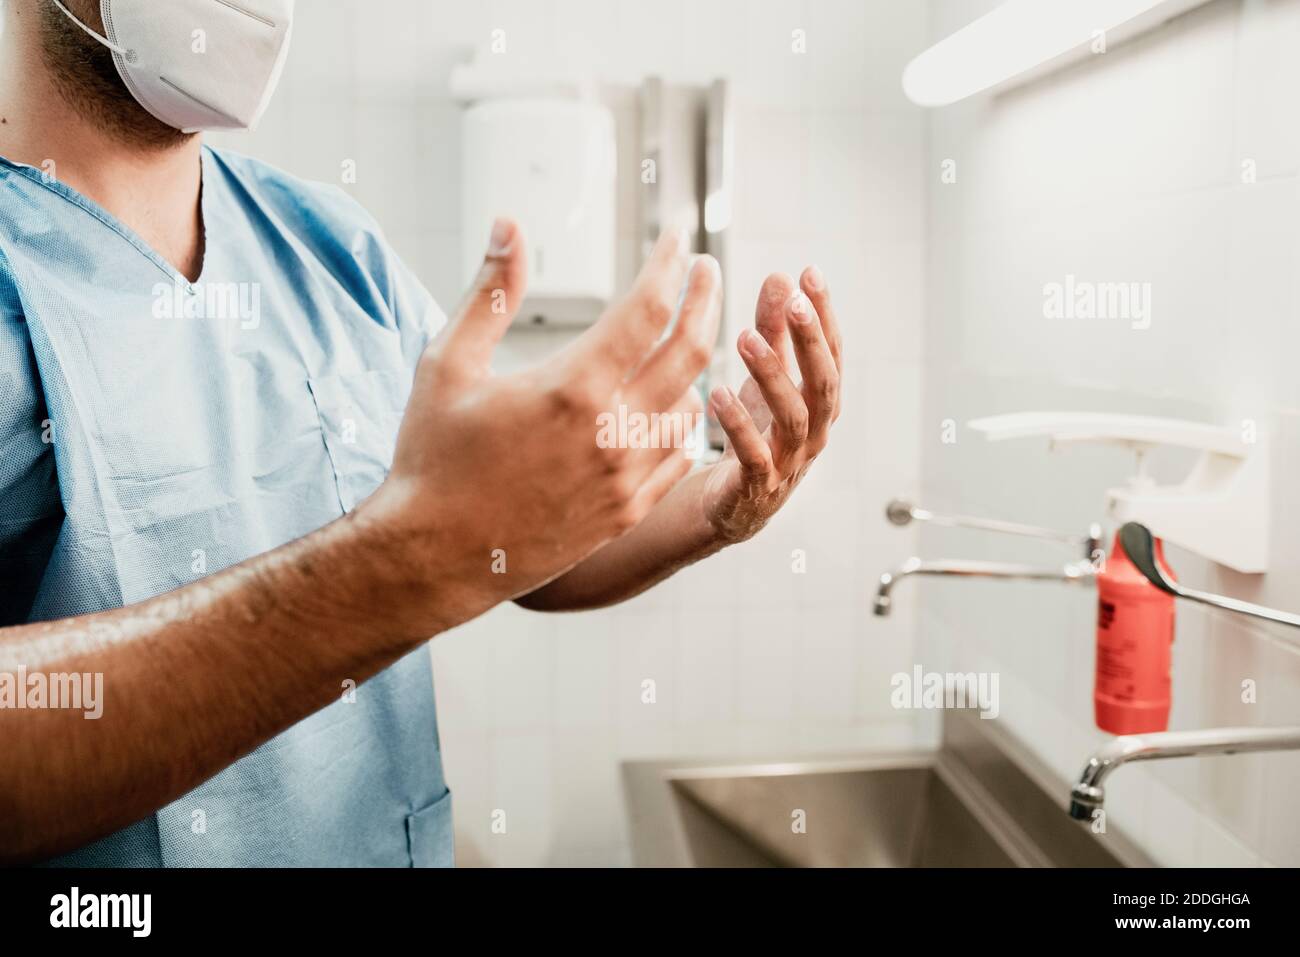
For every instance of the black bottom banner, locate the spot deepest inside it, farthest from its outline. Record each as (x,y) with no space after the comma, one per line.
(336,906)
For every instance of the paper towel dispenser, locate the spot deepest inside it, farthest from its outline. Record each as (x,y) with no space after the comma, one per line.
(550,164)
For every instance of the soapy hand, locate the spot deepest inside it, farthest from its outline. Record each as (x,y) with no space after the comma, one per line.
(774,428)
(499,484)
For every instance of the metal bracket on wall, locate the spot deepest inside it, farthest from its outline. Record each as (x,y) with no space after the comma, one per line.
(686,179)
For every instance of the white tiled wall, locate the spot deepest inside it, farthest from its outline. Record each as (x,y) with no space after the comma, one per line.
(1127,167)
(748,657)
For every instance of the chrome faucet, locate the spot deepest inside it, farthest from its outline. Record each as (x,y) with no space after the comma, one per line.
(901,512)
(1081,572)
(1089,794)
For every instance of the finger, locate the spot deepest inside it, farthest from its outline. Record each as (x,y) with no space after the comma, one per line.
(465,350)
(821,380)
(770,316)
(661,481)
(677,430)
(680,358)
(623,336)
(751,397)
(752,450)
(813,283)
(789,414)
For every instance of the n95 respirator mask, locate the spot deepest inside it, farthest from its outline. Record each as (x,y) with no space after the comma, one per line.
(197,64)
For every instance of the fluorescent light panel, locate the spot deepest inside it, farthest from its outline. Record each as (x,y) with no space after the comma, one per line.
(1021,39)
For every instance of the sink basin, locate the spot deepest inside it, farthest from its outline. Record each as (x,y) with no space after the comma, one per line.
(979,800)
(904,815)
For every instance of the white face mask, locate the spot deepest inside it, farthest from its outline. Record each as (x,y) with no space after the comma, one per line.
(198,64)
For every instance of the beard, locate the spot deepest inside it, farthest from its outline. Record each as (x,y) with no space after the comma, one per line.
(84,73)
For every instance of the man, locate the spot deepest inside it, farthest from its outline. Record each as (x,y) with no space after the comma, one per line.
(207,501)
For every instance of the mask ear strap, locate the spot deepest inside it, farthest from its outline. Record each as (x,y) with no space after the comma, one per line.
(128,55)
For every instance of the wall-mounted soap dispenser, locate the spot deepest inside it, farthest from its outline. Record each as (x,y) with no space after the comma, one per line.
(540,147)
(1220,511)
(550,164)
(1135,637)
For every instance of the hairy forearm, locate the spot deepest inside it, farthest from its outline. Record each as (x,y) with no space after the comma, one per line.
(192,680)
(675,534)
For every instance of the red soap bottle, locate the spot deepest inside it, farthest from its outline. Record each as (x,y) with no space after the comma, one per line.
(1135,636)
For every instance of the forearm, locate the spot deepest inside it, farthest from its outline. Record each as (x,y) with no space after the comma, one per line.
(482,466)
(675,534)
(192,680)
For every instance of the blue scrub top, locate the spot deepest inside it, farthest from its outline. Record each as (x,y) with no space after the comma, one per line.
(153,431)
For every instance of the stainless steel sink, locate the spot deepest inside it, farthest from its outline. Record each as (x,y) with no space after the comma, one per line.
(978,801)
(902,814)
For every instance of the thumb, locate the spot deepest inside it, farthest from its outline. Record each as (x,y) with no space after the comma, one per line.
(491,304)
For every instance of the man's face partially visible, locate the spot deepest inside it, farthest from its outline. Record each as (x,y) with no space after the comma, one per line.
(86,76)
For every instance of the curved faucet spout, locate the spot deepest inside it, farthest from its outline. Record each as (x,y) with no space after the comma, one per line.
(1089,794)
(1081,572)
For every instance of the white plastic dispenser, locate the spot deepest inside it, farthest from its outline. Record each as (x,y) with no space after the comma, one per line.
(549,163)
(1219,511)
